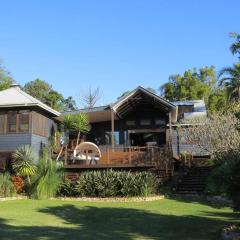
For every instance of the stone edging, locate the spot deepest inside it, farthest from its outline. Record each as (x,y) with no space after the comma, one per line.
(111,199)
(2,199)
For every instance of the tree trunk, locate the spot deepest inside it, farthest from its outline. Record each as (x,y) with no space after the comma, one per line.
(78,137)
(59,154)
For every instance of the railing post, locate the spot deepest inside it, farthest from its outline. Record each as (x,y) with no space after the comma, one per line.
(130,156)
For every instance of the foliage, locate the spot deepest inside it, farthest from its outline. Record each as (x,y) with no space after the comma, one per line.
(18,183)
(67,189)
(5,79)
(225,179)
(44,92)
(78,122)
(111,184)
(230,78)
(191,85)
(217,134)
(235,47)
(48,178)
(23,162)
(6,185)
(217,100)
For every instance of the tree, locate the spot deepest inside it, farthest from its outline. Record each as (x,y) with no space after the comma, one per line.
(5,79)
(44,92)
(217,134)
(69,104)
(80,124)
(90,98)
(54,100)
(235,47)
(193,84)
(217,100)
(230,78)
(38,88)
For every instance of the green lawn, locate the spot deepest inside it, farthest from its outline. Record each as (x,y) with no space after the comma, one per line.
(71,220)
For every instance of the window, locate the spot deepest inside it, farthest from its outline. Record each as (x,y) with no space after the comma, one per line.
(12,122)
(160,122)
(130,123)
(2,122)
(145,122)
(108,137)
(24,122)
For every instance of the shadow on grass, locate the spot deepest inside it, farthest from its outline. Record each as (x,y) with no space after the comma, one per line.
(117,223)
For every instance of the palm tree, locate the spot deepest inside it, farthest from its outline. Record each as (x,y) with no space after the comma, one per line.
(80,124)
(235,47)
(23,162)
(230,77)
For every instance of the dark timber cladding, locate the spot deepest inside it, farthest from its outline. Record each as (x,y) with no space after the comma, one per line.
(138,118)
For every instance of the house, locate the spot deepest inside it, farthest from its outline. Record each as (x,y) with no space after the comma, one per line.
(132,133)
(138,130)
(24,120)
(127,130)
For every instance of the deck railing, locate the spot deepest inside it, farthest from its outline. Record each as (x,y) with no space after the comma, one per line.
(121,156)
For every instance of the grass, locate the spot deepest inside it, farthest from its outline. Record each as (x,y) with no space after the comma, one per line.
(181,219)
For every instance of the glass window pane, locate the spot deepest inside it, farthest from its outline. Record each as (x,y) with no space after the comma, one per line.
(23,122)
(2,123)
(12,122)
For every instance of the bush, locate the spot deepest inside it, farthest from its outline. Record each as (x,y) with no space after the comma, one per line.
(111,183)
(18,183)
(6,185)
(225,178)
(48,178)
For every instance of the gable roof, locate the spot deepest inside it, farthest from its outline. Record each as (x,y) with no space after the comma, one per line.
(15,97)
(132,98)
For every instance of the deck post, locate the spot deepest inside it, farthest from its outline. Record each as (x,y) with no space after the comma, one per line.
(112,129)
(170,125)
(66,155)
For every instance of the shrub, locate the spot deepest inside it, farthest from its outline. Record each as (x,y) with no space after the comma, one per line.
(48,178)
(6,185)
(111,183)
(18,183)
(225,178)
(23,162)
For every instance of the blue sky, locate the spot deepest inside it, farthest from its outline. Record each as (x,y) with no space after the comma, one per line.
(115,45)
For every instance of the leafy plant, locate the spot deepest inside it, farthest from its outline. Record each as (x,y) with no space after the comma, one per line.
(111,183)
(23,162)
(225,178)
(18,183)
(48,178)
(6,185)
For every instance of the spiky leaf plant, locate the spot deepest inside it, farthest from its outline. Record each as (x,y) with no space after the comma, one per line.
(6,185)
(23,162)
(48,178)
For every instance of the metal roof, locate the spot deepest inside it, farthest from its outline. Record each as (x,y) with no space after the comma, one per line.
(15,97)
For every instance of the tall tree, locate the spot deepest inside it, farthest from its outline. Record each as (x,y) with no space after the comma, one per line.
(69,104)
(44,92)
(230,77)
(193,84)
(5,79)
(38,88)
(235,47)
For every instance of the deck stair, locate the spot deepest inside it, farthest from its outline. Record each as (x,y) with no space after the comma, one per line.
(193,181)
